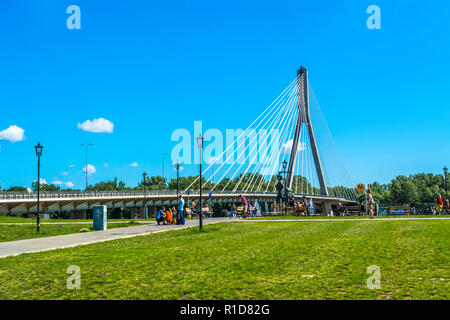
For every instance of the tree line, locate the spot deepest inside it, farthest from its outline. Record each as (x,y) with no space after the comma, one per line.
(417,188)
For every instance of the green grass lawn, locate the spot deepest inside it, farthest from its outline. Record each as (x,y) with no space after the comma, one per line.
(279,260)
(20,232)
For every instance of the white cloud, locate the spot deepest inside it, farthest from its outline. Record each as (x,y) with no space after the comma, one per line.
(90,169)
(72,166)
(97,125)
(65,173)
(105,165)
(57,182)
(69,184)
(134,164)
(43,181)
(287,147)
(12,134)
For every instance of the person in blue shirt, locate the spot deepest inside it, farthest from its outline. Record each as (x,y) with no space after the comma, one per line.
(160,215)
(180,209)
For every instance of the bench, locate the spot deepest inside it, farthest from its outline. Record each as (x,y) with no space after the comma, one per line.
(338,211)
(298,211)
(352,210)
(252,211)
(205,212)
(399,210)
(240,211)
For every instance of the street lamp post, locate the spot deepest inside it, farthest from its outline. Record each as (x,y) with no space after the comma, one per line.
(284,165)
(445,182)
(38,148)
(188,202)
(163,155)
(177,167)
(144,176)
(200,139)
(86,169)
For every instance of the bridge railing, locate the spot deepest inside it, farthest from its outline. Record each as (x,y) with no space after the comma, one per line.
(90,194)
(130,194)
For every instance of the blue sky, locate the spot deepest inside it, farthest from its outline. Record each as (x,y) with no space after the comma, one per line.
(150,67)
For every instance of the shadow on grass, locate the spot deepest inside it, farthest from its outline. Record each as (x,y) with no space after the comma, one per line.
(205,230)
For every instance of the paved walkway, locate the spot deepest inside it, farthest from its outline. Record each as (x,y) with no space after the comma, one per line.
(13,248)
(74,222)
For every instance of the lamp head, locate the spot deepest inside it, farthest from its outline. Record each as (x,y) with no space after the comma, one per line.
(39,148)
(200,140)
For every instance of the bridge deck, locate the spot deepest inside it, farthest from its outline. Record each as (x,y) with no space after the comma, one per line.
(53,202)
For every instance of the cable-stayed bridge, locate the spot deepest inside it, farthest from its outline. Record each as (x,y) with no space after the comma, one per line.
(288,144)
(284,132)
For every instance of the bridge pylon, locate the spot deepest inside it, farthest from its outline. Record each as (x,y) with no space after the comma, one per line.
(303,117)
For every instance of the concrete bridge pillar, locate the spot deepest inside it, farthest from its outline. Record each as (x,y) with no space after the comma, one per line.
(266,207)
(327,207)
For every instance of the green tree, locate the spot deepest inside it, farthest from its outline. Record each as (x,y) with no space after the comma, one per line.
(112,185)
(17,189)
(225,184)
(184,183)
(380,192)
(156,183)
(45,187)
(403,190)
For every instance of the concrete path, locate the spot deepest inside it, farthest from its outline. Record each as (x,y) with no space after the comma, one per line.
(13,248)
(74,222)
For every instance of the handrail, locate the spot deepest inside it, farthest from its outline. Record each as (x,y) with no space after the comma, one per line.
(102,194)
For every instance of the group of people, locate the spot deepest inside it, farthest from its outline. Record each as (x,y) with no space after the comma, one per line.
(232,209)
(301,206)
(172,215)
